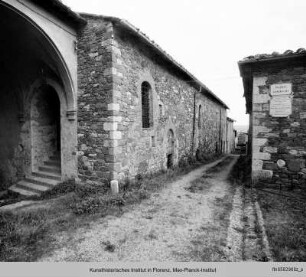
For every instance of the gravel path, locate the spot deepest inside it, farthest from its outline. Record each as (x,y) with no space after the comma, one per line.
(158,229)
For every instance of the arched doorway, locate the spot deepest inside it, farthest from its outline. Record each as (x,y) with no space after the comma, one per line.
(170,148)
(45,125)
(37,101)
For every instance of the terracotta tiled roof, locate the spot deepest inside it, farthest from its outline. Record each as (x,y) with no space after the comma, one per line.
(274,55)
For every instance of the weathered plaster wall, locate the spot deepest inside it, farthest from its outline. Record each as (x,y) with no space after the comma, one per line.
(9,138)
(279,138)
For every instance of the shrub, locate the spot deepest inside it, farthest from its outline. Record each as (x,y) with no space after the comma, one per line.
(87,205)
(183,162)
(63,188)
(191,160)
(82,190)
(130,197)
(96,203)
(143,194)
(88,189)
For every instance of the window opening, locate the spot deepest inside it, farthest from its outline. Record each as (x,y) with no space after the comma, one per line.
(146,105)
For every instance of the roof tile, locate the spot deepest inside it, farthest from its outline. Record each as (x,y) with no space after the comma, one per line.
(259,57)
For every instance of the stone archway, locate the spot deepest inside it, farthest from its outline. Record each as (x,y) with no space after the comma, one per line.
(37,96)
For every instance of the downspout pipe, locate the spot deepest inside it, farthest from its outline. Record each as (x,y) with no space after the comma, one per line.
(194,119)
(220,132)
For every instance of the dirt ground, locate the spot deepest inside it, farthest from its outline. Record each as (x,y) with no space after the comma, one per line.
(165,227)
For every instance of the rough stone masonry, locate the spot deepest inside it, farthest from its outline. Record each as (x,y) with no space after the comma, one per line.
(275,92)
(116,63)
(94,99)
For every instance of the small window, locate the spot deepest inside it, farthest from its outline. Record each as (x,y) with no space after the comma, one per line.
(153,141)
(199,117)
(146,104)
(160,110)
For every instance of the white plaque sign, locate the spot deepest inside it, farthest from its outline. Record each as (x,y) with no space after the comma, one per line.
(280,106)
(281,89)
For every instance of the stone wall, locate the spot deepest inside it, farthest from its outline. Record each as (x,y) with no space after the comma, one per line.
(230,137)
(210,135)
(279,143)
(143,150)
(94,100)
(112,143)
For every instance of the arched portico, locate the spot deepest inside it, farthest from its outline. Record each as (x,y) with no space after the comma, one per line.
(37,98)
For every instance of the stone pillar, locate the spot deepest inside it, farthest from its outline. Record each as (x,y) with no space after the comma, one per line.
(113,121)
(259,131)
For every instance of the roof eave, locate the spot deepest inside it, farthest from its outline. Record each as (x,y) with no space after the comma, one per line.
(130,27)
(272,59)
(230,119)
(247,67)
(62,11)
(170,59)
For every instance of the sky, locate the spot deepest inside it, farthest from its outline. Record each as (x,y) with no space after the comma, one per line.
(209,37)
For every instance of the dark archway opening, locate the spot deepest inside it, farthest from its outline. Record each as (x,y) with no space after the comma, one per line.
(170,161)
(170,148)
(46,127)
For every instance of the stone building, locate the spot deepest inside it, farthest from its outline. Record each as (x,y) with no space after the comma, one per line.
(274,89)
(91,97)
(230,136)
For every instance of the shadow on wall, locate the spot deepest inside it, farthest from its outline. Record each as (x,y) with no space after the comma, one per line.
(7,170)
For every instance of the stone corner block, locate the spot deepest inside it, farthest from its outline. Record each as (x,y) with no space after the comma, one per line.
(110,126)
(259,141)
(270,149)
(113,107)
(261,156)
(260,99)
(114,186)
(115,135)
(262,174)
(257,165)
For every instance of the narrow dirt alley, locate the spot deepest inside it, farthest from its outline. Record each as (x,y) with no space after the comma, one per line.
(186,221)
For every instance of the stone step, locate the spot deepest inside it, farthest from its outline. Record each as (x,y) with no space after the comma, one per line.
(32,187)
(50,183)
(22,191)
(47,175)
(51,169)
(53,163)
(55,158)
